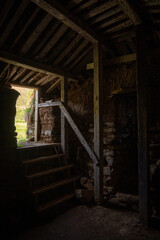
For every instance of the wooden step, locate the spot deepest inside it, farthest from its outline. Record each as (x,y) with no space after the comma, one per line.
(55,202)
(58,169)
(55,185)
(40,159)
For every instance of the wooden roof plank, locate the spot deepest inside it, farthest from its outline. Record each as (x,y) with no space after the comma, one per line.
(67,50)
(103,7)
(33,78)
(49,80)
(13,21)
(5,11)
(114,20)
(19,74)
(75,63)
(126,23)
(50,89)
(129,10)
(65,16)
(25,27)
(35,34)
(28,75)
(76,52)
(42,79)
(46,38)
(84,6)
(105,15)
(62,29)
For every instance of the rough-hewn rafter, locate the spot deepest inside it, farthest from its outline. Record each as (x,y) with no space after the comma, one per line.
(129,10)
(63,15)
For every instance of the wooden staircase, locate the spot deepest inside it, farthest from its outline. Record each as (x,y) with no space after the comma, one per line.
(50,178)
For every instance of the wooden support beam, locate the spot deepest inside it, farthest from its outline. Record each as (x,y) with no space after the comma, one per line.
(142,107)
(130,11)
(64,126)
(79,135)
(116,60)
(62,14)
(36,116)
(32,65)
(98,122)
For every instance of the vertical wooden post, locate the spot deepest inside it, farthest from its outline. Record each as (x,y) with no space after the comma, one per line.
(98,122)
(64,128)
(36,116)
(142,107)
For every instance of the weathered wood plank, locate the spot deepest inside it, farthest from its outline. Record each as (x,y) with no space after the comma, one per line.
(142,110)
(98,122)
(64,126)
(129,10)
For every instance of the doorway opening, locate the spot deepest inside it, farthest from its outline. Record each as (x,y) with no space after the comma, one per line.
(24,106)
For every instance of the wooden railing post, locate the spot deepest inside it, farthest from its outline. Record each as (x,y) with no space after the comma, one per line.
(36,115)
(142,111)
(98,122)
(64,128)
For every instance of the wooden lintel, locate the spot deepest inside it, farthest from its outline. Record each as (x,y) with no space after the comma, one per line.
(130,11)
(98,122)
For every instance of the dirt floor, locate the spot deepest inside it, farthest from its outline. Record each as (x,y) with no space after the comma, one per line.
(96,223)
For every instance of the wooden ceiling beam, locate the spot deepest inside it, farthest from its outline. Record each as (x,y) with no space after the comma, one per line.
(29,64)
(33,65)
(130,11)
(65,16)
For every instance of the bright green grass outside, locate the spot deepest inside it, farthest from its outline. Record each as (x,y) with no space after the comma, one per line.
(21,128)
(21,108)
